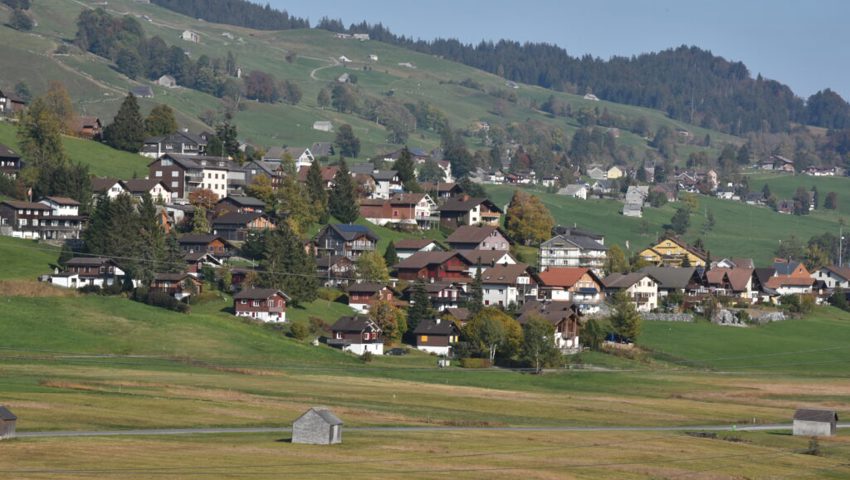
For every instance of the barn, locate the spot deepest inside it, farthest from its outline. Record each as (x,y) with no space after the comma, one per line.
(810,422)
(7,423)
(317,426)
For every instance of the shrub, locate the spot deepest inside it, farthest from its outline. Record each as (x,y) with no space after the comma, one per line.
(470,362)
(366,357)
(318,326)
(299,331)
(159,299)
(329,294)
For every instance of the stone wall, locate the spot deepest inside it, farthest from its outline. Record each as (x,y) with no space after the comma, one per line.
(668,317)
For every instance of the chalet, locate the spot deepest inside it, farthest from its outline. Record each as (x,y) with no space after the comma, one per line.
(357,334)
(234,226)
(442,190)
(265,304)
(204,243)
(641,289)
(614,172)
(443,295)
(8,421)
(323,149)
(178,285)
(317,426)
(564,316)
(361,296)
(179,143)
(464,210)
(64,221)
(469,237)
(734,262)
(88,271)
(597,173)
(10,105)
(673,252)
(87,127)
(573,251)
(107,187)
(580,286)
(834,276)
(505,285)
(302,157)
(10,162)
(157,189)
(815,423)
(484,259)
(575,191)
(335,270)
(260,168)
(433,266)
(167,81)
(142,91)
(328,175)
(436,336)
(675,280)
(461,314)
(731,282)
(183,174)
(345,240)
(23,219)
(239,204)
(404,248)
(196,261)
(387,184)
(413,209)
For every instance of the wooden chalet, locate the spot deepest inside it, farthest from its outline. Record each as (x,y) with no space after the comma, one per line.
(357,334)
(266,304)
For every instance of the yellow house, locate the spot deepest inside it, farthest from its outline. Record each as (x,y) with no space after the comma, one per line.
(671,252)
(614,172)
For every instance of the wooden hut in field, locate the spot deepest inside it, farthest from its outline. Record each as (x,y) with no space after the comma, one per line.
(7,423)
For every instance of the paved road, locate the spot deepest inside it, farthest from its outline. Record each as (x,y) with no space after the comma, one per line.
(201,431)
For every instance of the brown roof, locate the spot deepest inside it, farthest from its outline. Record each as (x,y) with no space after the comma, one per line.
(100,185)
(439,187)
(619,280)
(328,173)
(82,122)
(504,274)
(423,259)
(788,280)
(554,312)
(406,198)
(64,201)
(7,152)
(366,287)
(141,185)
(470,234)
(465,205)
(738,277)
(483,257)
(460,313)
(26,205)
(843,272)
(564,277)
(258,294)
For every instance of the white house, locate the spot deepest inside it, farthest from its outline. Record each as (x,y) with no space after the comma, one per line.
(190,36)
(167,81)
(107,187)
(575,191)
(62,206)
(591,97)
(344,59)
(833,276)
(373,57)
(503,285)
(641,288)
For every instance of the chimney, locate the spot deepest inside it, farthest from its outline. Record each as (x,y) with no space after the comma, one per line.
(438,320)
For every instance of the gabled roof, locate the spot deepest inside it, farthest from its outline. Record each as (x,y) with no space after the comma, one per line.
(141,185)
(17,204)
(785,268)
(355,323)
(243,201)
(460,313)
(788,281)
(678,241)
(88,261)
(324,414)
(471,234)
(366,287)
(504,274)
(64,201)
(384,175)
(199,238)
(815,415)
(440,187)
(564,277)
(350,231)
(619,280)
(6,152)
(198,256)
(554,312)
(407,198)
(101,185)
(842,272)
(433,326)
(670,277)
(422,259)
(737,277)
(6,414)
(258,294)
(484,257)
(234,218)
(465,205)
(412,243)
(580,242)
(322,149)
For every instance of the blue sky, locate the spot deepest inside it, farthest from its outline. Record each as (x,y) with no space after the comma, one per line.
(803,44)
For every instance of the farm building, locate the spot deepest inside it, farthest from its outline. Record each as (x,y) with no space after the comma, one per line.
(317,426)
(810,422)
(7,423)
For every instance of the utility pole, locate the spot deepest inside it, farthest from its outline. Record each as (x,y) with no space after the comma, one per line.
(840,245)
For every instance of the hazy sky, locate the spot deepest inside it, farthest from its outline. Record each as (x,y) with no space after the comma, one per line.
(803,44)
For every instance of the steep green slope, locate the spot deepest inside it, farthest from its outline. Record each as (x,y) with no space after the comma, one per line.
(97,87)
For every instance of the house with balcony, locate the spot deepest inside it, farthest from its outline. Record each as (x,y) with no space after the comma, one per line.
(205,243)
(674,252)
(433,266)
(10,162)
(465,210)
(443,295)
(23,219)
(234,226)
(88,271)
(640,288)
(478,238)
(412,209)
(264,304)
(357,334)
(506,285)
(361,296)
(178,143)
(346,240)
(572,251)
(64,221)
(239,204)
(580,286)
(564,316)
(178,285)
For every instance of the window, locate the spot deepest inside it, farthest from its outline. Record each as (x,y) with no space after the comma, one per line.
(159,173)
(243,302)
(423,338)
(175,174)
(256,303)
(174,185)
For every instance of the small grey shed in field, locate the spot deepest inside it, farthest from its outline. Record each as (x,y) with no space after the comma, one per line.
(318,426)
(809,422)
(7,423)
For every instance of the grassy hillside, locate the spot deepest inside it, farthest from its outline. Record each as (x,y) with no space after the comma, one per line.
(97,88)
(102,160)
(784,186)
(23,259)
(740,230)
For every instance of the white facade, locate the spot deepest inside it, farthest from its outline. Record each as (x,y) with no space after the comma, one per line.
(565,342)
(190,36)
(215,179)
(61,210)
(644,294)
(115,190)
(441,351)
(361,348)
(503,295)
(268,317)
(831,279)
(507,258)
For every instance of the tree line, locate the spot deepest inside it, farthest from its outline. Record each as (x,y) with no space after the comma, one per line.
(236,12)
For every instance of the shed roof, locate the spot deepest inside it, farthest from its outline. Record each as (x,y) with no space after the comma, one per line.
(815,415)
(6,414)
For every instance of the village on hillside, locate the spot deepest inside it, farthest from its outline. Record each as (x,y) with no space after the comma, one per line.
(287,225)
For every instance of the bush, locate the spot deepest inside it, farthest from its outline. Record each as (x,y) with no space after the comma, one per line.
(470,362)
(329,294)
(318,326)
(89,289)
(366,357)
(299,331)
(798,303)
(159,299)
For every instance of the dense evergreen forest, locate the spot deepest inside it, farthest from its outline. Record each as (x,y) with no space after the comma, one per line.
(235,12)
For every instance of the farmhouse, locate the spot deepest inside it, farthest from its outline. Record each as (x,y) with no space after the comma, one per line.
(10,105)
(204,242)
(563,315)
(335,270)
(834,276)
(361,296)
(815,423)
(88,271)
(178,285)
(266,304)
(7,423)
(357,334)
(88,127)
(317,426)
(436,336)
(478,238)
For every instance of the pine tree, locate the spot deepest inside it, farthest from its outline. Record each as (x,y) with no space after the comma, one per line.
(200,224)
(475,300)
(287,266)
(390,256)
(421,308)
(348,143)
(64,255)
(316,191)
(342,203)
(406,170)
(127,130)
(625,320)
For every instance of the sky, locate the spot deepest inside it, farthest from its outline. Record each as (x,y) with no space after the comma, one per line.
(805,45)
